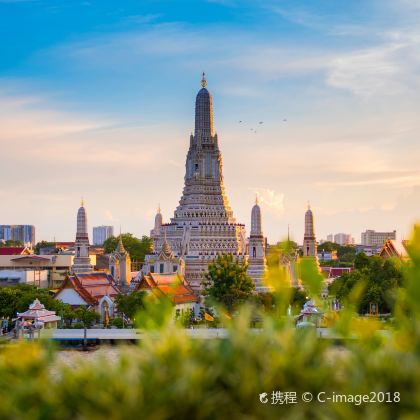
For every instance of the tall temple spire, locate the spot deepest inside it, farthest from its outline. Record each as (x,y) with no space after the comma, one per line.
(120,264)
(256,245)
(204,130)
(309,240)
(203,225)
(309,223)
(256,228)
(81,262)
(120,247)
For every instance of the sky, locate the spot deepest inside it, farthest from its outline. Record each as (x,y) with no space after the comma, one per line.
(97,101)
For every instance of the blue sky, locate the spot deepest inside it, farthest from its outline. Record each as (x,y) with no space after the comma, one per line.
(97,99)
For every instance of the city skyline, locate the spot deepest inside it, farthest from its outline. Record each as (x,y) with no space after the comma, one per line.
(103,109)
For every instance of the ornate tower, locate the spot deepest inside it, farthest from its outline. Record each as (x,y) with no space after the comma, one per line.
(81,262)
(158,223)
(120,265)
(309,240)
(256,249)
(203,225)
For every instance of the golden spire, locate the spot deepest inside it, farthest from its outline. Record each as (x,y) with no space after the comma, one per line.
(82,203)
(120,246)
(256,198)
(158,209)
(203,80)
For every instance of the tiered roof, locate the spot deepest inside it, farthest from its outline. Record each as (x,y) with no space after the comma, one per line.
(91,287)
(38,312)
(170,285)
(394,248)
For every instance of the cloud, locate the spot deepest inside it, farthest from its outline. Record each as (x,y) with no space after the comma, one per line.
(402,181)
(25,116)
(384,70)
(270,199)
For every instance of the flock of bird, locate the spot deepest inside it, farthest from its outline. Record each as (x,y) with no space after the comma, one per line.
(259,123)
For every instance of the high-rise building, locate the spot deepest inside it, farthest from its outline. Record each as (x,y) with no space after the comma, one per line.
(203,225)
(21,233)
(330,237)
(101,234)
(343,239)
(377,239)
(257,264)
(309,239)
(81,262)
(5,232)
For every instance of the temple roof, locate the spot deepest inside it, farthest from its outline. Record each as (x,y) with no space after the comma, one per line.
(394,248)
(166,251)
(120,247)
(91,287)
(14,250)
(173,286)
(37,311)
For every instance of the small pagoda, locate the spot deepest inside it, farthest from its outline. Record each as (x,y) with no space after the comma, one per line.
(38,317)
(310,315)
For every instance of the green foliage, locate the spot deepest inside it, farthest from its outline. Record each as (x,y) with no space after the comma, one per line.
(345,253)
(266,301)
(117,322)
(227,283)
(18,298)
(170,375)
(87,317)
(286,248)
(379,278)
(11,243)
(43,244)
(137,248)
(131,304)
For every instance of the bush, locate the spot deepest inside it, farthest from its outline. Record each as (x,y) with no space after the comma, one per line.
(171,376)
(117,322)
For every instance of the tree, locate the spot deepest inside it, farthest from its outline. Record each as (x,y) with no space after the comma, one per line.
(380,279)
(361,260)
(86,316)
(328,246)
(228,283)
(43,244)
(10,242)
(267,300)
(18,298)
(117,322)
(137,248)
(282,249)
(131,304)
